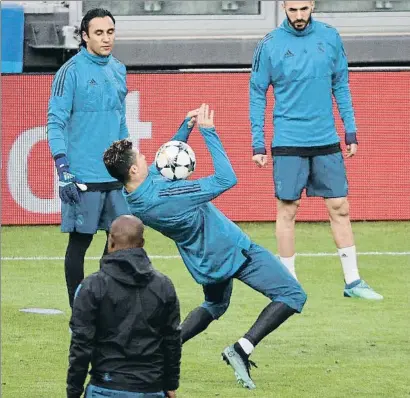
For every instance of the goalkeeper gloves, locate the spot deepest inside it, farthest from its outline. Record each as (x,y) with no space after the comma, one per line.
(68,184)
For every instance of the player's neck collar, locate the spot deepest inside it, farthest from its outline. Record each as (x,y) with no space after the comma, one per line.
(138,190)
(95,58)
(289,28)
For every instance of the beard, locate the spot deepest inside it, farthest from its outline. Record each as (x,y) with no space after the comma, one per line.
(293,24)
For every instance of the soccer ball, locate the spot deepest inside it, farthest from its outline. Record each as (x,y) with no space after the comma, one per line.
(175,160)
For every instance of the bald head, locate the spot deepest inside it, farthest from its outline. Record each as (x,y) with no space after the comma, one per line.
(126,232)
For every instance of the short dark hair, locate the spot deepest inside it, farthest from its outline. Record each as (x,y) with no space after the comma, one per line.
(118,159)
(91,14)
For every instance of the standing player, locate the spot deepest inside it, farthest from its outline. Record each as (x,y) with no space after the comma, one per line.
(212,247)
(86,114)
(305,62)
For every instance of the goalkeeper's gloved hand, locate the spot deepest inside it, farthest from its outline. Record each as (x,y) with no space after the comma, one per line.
(67,184)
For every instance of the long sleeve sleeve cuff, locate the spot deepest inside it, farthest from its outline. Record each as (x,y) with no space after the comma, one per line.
(186,121)
(171,385)
(73,392)
(350,138)
(259,151)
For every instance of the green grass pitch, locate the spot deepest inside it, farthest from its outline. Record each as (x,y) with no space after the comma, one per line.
(337,347)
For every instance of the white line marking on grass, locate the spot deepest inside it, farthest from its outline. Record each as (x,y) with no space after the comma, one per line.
(43,311)
(43,258)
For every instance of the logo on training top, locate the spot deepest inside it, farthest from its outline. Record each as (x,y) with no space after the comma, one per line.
(289,54)
(321,47)
(92,82)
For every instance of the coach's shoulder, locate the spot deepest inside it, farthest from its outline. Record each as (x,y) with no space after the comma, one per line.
(91,279)
(94,283)
(166,282)
(164,279)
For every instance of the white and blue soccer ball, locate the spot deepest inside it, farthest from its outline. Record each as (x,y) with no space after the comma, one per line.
(175,160)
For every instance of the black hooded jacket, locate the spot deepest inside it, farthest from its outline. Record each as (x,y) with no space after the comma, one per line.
(126,323)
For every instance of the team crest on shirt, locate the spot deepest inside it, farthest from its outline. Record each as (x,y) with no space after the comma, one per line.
(321,47)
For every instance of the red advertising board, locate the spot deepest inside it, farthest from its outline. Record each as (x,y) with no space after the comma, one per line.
(379,180)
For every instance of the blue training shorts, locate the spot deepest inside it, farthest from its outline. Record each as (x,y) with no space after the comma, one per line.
(96,211)
(322,175)
(264,273)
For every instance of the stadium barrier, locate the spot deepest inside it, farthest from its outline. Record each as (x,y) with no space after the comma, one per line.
(379,175)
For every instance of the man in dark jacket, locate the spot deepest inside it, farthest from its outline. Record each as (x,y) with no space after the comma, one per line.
(125,323)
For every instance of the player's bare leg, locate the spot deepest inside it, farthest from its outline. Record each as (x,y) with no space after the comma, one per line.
(338,209)
(285,232)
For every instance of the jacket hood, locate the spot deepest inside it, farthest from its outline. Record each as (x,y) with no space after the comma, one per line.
(290,29)
(129,266)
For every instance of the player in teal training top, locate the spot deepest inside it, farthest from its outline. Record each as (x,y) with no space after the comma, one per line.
(214,249)
(86,114)
(305,62)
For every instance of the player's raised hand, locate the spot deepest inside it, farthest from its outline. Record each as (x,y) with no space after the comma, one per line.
(260,160)
(205,117)
(193,115)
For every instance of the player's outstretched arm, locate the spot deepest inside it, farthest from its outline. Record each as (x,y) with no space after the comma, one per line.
(224,176)
(186,127)
(182,134)
(205,189)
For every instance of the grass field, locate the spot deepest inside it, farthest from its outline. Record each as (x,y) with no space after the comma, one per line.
(337,347)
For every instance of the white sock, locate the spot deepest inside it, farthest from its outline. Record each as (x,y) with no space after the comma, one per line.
(349,263)
(289,263)
(246,345)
